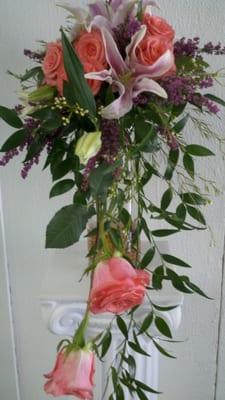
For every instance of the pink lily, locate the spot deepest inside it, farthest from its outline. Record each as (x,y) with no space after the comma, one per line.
(128,77)
(118,10)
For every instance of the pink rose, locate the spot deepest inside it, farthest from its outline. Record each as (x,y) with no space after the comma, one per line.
(93,83)
(159,27)
(90,48)
(117,286)
(72,375)
(53,66)
(151,49)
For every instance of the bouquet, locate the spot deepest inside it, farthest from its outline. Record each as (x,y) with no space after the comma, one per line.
(107,105)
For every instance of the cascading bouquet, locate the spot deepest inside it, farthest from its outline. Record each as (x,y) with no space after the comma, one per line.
(109,102)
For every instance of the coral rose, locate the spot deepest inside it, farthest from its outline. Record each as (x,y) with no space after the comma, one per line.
(72,375)
(117,286)
(159,27)
(93,83)
(90,48)
(53,66)
(151,49)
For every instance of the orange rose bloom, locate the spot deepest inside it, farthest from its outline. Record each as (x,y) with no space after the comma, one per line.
(159,27)
(53,66)
(90,48)
(151,49)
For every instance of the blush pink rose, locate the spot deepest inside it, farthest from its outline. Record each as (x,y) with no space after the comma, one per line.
(117,286)
(158,27)
(151,49)
(90,48)
(53,66)
(72,375)
(93,83)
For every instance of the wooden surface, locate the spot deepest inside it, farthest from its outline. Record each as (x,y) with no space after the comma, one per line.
(197,373)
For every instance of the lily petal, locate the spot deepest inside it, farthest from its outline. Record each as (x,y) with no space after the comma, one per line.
(104,76)
(113,55)
(120,106)
(148,85)
(131,48)
(158,69)
(126,8)
(100,22)
(148,4)
(80,14)
(98,8)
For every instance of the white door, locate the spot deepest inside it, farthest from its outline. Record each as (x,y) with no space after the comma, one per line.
(27,349)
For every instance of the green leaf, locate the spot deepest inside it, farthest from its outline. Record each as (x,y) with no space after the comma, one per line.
(122,326)
(141,394)
(216,99)
(181,124)
(172,163)
(194,198)
(164,232)
(15,140)
(181,214)
(31,73)
(175,261)
(163,327)
(66,226)
(35,148)
(157,278)
(137,349)
(146,323)
(10,117)
(194,287)
(189,165)
(101,178)
(177,281)
(82,93)
(200,151)
(145,387)
(164,309)
(166,199)
(62,187)
(148,257)
(63,168)
(106,343)
(132,366)
(196,214)
(162,350)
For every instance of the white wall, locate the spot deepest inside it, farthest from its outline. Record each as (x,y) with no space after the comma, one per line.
(27,210)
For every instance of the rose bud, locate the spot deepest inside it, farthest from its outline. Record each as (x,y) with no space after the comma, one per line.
(72,375)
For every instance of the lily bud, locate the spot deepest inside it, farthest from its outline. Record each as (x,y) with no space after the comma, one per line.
(88,146)
(43,93)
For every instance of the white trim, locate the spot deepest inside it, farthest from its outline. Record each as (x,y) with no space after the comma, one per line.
(9,302)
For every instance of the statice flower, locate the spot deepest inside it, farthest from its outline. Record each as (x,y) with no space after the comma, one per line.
(217,49)
(187,47)
(178,88)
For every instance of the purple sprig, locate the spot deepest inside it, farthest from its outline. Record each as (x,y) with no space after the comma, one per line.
(217,50)
(124,32)
(34,55)
(187,47)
